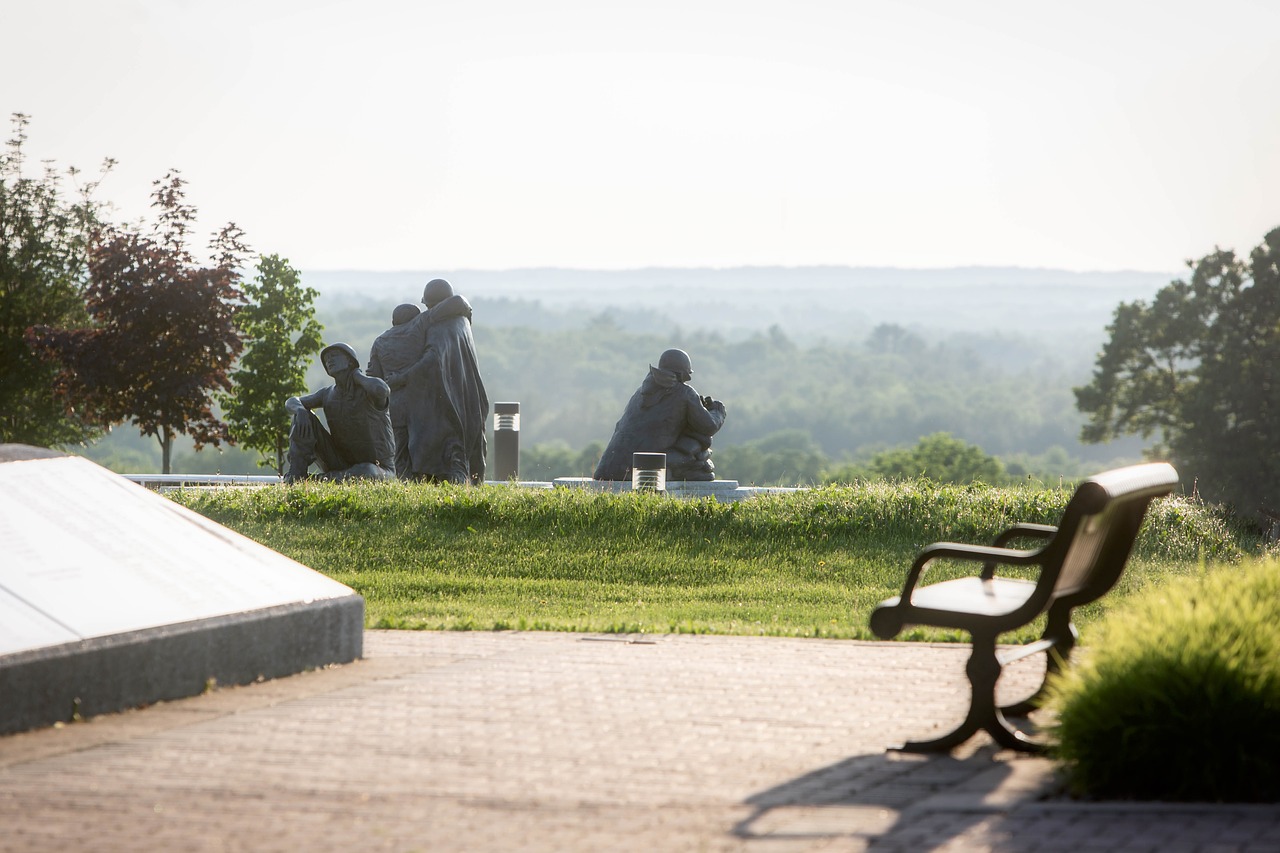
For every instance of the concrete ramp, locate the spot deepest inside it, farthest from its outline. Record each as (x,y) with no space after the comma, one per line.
(112,596)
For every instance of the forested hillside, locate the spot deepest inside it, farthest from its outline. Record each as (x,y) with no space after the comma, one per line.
(839,368)
(1009,395)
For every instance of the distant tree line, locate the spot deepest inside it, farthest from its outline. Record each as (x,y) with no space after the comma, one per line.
(1194,376)
(799,413)
(791,458)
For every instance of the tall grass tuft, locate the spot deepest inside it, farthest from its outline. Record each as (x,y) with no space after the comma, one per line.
(798,564)
(1178,695)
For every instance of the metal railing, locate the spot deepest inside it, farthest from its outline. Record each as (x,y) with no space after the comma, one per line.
(178,481)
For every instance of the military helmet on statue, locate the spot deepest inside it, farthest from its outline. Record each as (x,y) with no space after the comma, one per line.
(345,349)
(436,291)
(404,313)
(677,361)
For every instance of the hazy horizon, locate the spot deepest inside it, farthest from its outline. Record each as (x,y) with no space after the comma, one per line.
(424,270)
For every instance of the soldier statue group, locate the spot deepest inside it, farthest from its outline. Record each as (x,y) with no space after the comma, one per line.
(419,411)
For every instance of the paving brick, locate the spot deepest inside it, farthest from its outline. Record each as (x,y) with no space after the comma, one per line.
(541,741)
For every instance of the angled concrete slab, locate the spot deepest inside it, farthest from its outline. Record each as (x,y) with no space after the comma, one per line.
(112,596)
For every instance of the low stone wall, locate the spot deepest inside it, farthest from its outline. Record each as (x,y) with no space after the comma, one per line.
(724,491)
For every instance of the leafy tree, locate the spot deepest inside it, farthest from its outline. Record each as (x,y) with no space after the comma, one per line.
(940,457)
(43,270)
(890,338)
(786,457)
(163,334)
(1199,369)
(282,335)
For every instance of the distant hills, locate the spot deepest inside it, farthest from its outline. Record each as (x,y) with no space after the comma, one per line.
(994,354)
(836,303)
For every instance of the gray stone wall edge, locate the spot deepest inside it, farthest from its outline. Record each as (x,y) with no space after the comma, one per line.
(42,687)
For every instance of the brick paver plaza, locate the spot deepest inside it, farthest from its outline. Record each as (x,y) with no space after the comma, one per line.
(544,741)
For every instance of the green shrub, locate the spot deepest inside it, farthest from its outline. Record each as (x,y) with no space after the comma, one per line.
(1178,694)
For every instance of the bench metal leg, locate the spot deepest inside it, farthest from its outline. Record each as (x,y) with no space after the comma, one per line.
(1061,635)
(983,670)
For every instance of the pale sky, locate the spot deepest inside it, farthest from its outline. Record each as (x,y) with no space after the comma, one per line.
(447,134)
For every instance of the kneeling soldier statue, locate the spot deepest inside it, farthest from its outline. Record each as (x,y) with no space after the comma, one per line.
(665,415)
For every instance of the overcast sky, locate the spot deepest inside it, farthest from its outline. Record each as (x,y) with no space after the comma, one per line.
(445,134)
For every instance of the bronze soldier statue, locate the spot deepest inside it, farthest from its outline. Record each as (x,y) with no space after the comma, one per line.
(359,441)
(665,415)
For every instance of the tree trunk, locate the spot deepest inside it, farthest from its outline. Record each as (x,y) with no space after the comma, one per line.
(166,450)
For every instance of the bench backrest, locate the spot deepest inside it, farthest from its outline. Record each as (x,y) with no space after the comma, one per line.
(1099,527)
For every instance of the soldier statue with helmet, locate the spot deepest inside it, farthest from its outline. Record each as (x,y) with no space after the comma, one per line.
(359,440)
(665,415)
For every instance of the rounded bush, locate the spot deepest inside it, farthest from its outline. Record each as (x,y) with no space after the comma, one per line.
(1178,694)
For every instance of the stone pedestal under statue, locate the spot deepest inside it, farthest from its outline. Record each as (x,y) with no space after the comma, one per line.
(722,490)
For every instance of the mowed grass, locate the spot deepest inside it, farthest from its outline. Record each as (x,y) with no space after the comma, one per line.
(811,563)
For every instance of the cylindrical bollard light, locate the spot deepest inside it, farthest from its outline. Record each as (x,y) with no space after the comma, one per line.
(506,441)
(649,472)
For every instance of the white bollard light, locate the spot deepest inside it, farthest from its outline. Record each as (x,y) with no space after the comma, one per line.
(649,472)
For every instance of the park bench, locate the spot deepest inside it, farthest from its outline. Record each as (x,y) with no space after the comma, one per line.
(1079,561)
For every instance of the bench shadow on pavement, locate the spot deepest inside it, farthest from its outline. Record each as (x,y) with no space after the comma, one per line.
(891,798)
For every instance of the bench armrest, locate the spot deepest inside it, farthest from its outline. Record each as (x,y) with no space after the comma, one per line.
(990,555)
(1018,531)
(1028,531)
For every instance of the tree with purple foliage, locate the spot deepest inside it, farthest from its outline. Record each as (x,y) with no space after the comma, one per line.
(162,335)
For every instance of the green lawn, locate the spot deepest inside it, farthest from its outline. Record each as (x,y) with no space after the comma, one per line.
(810,563)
